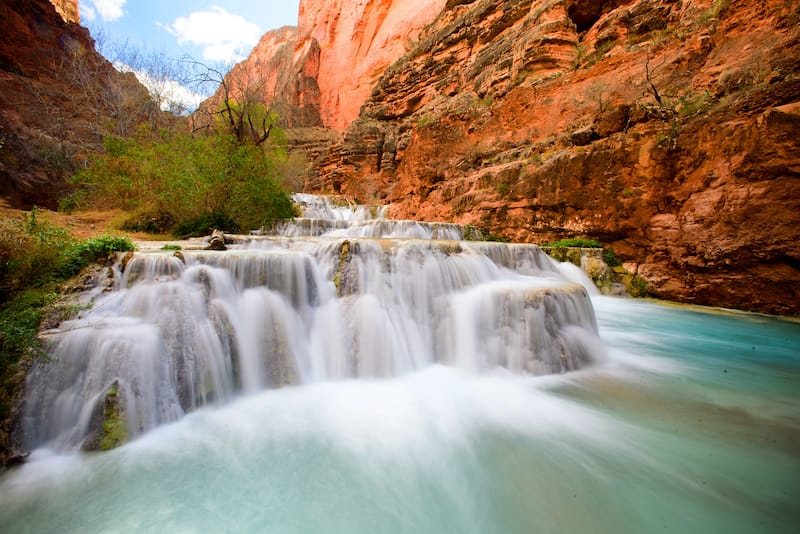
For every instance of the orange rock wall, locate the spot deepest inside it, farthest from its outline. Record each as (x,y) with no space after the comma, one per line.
(357,42)
(666,129)
(68,9)
(271,74)
(338,52)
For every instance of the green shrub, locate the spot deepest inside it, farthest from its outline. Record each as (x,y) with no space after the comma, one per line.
(574,242)
(187,184)
(610,258)
(152,223)
(35,257)
(82,253)
(30,251)
(488,236)
(204,223)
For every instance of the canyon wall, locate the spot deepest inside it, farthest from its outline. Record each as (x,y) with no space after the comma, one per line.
(667,129)
(68,9)
(321,73)
(357,41)
(58,98)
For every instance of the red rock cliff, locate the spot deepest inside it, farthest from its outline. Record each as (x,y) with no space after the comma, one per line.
(667,129)
(271,74)
(357,42)
(68,9)
(323,72)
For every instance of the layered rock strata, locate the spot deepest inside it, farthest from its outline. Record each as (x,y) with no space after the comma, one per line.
(321,73)
(666,129)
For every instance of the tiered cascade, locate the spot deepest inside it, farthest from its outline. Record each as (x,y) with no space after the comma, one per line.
(177,331)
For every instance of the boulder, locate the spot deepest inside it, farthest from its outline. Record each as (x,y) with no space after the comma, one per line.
(217,241)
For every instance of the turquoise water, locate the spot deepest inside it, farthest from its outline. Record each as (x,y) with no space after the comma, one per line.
(691,424)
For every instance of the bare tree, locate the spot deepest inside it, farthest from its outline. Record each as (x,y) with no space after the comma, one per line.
(649,77)
(161,75)
(110,102)
(237,103)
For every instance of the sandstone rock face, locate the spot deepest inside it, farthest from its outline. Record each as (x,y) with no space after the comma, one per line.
(321,73)
(68,9)
(357,42)
(666,129)
(278,77)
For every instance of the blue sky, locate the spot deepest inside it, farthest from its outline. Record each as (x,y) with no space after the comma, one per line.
(216,31)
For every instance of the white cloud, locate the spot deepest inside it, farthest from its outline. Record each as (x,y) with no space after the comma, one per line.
(223,36)
(171,95)
(108,10)
(87,12)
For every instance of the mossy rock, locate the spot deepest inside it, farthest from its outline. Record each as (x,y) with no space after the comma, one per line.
(565,254)
(108,427)
(450,248)
(346,276)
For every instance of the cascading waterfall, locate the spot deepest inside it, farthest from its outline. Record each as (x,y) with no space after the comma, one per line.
(321,217)
(371,298)
(428,396)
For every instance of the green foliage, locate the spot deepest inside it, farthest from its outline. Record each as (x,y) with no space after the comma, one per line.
(249,121)
(574,242)
(115,428)
(19,323)
(636,286)
(610,258)
(30,251)
(187,183)
(204,224)
(82,253)
(488,236)
(171,247)
(34,257)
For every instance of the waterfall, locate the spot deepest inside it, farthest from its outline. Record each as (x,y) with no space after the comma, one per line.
(357,296)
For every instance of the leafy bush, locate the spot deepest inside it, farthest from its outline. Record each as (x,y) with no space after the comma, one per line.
(204,223)
(488,236)
(610,258)
(34,257)
(187,184)
(30,251)
(574,242)
(82,253)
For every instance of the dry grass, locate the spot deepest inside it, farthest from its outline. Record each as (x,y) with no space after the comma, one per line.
(83,224)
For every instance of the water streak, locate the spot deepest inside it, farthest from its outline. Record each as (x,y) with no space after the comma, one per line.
(178,333)
(420,409)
